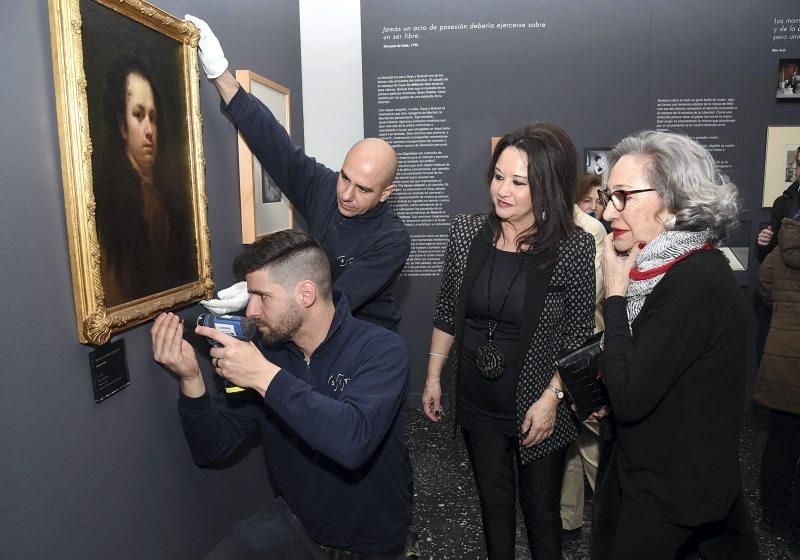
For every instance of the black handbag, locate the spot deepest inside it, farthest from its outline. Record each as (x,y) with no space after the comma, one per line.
(582,381)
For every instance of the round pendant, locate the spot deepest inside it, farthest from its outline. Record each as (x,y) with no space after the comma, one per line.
(490,361)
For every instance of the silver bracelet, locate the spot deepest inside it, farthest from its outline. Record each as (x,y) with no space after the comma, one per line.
(437,354)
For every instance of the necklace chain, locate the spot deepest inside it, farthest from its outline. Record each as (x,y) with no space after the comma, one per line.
(494,323)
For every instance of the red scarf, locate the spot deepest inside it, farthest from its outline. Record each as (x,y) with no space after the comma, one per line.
(636,274)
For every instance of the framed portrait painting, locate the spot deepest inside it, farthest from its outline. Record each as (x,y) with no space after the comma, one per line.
(127,103)
(264,207)
(596,160)
(782,166)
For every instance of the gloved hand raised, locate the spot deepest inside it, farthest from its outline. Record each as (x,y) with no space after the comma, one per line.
(211,56)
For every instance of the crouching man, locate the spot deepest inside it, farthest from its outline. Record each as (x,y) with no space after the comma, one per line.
(326,399)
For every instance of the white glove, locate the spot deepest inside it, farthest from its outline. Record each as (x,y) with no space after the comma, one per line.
(230,299)
(211,56)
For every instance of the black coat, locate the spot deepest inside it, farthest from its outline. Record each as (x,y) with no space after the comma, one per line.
(558,315)
(677,390)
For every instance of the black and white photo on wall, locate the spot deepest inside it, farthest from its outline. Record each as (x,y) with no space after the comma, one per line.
(788,78)
(596,160)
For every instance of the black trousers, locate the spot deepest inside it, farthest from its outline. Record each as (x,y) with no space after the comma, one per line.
(638,538)
(780,470)
(275,533)
(619,535)
(498,473)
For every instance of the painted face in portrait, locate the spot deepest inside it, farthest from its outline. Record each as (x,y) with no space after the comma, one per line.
(276,312)
(643,216)
(510,190)
(138,128)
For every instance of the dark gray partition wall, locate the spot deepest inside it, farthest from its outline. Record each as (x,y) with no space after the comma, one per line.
(109,480)
(442,78)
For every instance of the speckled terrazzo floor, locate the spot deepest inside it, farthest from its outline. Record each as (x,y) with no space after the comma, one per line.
(446,509)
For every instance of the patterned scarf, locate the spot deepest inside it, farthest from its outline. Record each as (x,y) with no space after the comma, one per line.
(662,250)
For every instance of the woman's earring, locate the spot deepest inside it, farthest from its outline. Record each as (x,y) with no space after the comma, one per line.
(670,223)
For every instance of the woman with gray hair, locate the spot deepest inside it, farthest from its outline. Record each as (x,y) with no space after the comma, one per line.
(673,358)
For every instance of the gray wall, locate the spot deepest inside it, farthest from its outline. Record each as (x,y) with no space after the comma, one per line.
(598,70)
(109,480)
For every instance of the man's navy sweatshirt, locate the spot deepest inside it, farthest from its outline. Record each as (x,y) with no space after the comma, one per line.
(332,431)
(366,252)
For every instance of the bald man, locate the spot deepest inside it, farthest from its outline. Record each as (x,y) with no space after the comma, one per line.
(366,243)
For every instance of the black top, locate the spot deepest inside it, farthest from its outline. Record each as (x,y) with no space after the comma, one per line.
(494,399)
(677,390)
(558,310)
(367,252)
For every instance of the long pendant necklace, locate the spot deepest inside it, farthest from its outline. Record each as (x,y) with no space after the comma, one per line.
(490,359)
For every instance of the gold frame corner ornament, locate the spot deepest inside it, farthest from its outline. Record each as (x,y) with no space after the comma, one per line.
(95,323)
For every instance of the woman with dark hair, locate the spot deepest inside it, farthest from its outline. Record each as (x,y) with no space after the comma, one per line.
(674,357)
(587,199)
(143,248)
(517,288)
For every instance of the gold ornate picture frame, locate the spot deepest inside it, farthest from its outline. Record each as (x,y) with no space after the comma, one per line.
(265,209)
(127,103)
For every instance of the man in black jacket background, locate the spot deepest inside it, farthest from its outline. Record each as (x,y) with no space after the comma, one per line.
(366,243)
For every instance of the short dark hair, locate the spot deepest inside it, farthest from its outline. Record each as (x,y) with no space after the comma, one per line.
(584,183)
(291,256)
(552,170)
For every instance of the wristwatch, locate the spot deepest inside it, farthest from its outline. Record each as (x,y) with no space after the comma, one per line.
(559,393)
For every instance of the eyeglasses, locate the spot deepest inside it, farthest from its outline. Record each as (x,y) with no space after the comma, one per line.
(617,198)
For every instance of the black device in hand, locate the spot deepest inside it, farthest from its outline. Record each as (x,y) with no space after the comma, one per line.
(241,328)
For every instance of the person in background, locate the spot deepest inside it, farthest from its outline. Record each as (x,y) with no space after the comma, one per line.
(784,206)
(588,200)
(673,358)
(517,288)
(584,453)
(366,243)
(778,387)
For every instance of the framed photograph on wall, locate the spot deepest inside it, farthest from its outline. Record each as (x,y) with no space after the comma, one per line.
(127,104)
(595,160)
(264,207)
(788,78)
(782,166)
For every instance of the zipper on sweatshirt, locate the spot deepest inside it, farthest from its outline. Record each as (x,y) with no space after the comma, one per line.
(308,370)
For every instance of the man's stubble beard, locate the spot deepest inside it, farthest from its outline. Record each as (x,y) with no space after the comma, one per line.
(286,327)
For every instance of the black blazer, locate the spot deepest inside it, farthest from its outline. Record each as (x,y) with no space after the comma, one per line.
(558,315)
